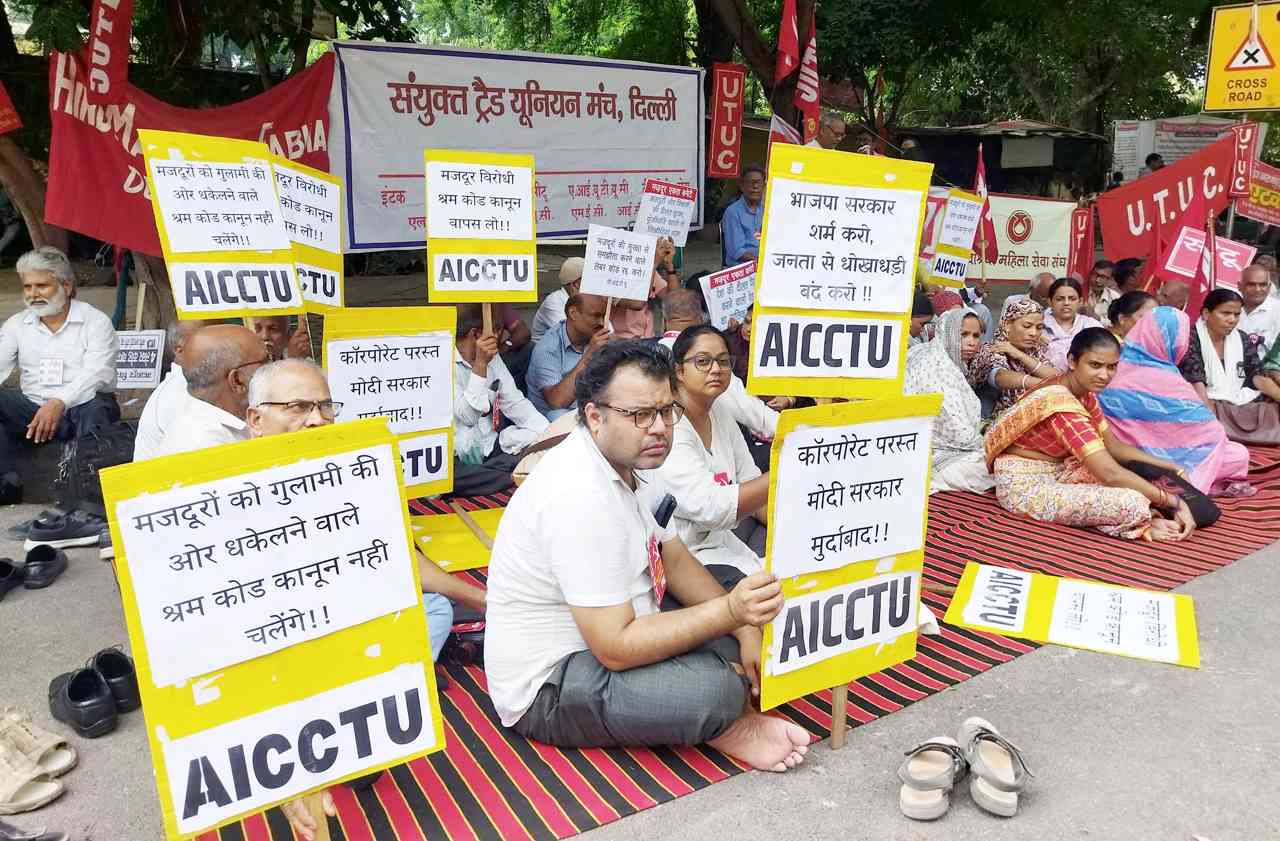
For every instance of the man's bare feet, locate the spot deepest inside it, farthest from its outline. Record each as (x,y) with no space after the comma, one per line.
(764,742)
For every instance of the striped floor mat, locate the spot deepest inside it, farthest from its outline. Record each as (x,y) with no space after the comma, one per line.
(491,784)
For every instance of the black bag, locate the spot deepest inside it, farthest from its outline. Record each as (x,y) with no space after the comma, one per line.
(1203,510)
(465,645)
(77,485)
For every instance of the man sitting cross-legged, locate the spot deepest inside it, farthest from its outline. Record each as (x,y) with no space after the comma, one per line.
(577,652)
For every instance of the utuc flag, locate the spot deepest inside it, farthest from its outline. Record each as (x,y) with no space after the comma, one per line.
(788,42)
(806,96)
(986,239)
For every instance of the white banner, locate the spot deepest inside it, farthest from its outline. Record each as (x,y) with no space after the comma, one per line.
(1033,235)
(1172,138)
(597,129)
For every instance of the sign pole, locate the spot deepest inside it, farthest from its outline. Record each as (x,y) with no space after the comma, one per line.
(839,720)
(471,524)
(608,309)
(142,297)
(487,313)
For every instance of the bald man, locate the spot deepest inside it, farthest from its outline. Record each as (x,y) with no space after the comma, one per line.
(160,413)
(1173,293)
(220,360)
(1261,316)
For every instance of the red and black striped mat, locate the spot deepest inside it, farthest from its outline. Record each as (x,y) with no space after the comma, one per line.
(489,783)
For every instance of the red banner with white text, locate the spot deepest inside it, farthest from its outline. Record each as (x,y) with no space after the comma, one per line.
(1080,256)
(724,157)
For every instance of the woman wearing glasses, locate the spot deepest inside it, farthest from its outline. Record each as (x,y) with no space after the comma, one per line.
(710,471)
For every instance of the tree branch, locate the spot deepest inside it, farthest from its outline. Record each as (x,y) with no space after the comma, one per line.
(737,19)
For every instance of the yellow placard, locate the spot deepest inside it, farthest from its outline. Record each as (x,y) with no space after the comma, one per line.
(218,208)
(1243,69)
(1145,624)
(887,576)
(450,543)
(816,352)
(426,454)
(268,700)
(319,266)
(950,263)
(475,263)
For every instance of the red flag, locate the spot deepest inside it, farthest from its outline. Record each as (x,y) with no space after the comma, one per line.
(788,42)
(985,241)
(1204,282)
(1080,252)
(780,131)
(806,96)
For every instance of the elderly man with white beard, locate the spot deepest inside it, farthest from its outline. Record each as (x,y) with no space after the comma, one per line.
(65,351)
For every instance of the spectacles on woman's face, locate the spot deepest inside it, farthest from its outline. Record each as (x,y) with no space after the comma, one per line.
(644,418)
(328,409)
(704,361)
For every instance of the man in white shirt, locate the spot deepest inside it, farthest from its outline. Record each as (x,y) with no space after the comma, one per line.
(831,131)
(161,411)
(65,351)
(551,310)
(1261,316)
(492,420)
(274,332)
(577,652)
(1102,290)
(220,362)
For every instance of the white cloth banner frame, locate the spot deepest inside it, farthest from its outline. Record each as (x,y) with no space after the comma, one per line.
(383,119)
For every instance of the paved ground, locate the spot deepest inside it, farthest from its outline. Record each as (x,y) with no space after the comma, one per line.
(1122,749)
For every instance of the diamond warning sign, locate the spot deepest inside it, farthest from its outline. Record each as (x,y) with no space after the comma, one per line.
(1242,73)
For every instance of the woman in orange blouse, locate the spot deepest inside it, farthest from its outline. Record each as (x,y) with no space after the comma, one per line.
(1055,459)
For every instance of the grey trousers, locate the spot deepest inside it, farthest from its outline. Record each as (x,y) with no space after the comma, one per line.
(687,700)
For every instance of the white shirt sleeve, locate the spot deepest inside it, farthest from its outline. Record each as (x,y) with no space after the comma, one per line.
(99,371)
(514,404)
(8,350)
(749,410)
(689,476)
(472,401)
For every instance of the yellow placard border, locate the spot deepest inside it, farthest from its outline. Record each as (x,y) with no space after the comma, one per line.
(204,149)
(303,253)
(846,667)
(1039,616)
(309,668)
(455,245)
(369,322)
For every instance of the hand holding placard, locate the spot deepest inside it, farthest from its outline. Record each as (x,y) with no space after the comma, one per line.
(619,264)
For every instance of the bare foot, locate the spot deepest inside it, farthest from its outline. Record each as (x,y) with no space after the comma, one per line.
(764,742)
(1165,530)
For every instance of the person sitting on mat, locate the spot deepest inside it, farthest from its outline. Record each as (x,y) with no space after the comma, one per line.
(1016,360)
(1126,310)
(1150,406)
(577,652)
(710,471)
(1056,459)
(1222,366)
(291,395)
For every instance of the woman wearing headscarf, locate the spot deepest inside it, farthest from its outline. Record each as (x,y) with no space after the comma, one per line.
(1150,406)
(1017,360)
(939,367)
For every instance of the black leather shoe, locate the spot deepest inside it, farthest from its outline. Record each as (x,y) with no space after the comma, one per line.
(117,670)
(83,700)
(44,565)
(10,576)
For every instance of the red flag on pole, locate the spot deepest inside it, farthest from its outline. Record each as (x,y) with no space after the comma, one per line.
(1205,280)
(806,96)
(985,241)
(788,42)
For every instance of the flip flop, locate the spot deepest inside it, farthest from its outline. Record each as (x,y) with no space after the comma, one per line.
(999,771)
(928,774)
(23,786)
(48,751)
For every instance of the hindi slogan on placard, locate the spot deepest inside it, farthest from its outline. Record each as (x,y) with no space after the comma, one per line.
(729,293)
(850,493)
(666,210)
(232,569)
(138,358)
(406,379)
(1136,623)
(618,263)
(218,206)
(310,207)
(479,201)
(837,247)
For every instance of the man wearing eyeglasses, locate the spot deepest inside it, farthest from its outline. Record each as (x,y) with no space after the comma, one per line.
(831,131)
(577,651)
(220,361)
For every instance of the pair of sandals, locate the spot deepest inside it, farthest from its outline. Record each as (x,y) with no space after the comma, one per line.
(31,758)
(996,767)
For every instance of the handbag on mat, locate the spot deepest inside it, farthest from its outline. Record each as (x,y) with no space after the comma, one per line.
(83,456)
(1204,511)
(465,645)
(1253,423)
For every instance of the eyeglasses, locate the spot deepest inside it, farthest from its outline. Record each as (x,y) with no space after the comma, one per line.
(644,418)
(263,361)
(703,362)
(328,409)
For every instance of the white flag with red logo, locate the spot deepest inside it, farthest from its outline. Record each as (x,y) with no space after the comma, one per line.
(806,96)
(985,238)
(788,42)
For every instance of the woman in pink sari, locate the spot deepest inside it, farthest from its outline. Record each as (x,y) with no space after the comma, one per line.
(1150,406)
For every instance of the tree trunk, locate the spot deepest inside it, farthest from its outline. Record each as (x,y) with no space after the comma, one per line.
(302,41)
(27,191)
(8,46)
(263,61)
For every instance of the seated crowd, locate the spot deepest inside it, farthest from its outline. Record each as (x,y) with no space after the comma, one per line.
(1091,403)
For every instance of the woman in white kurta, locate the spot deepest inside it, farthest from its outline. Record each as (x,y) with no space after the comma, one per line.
(1066,318)
(710,471)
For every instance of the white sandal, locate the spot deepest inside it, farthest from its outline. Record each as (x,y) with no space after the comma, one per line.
(47,750)
(999,771)
(928,773)
(23,786)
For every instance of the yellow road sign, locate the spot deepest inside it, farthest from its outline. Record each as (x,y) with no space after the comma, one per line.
(1243,50)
